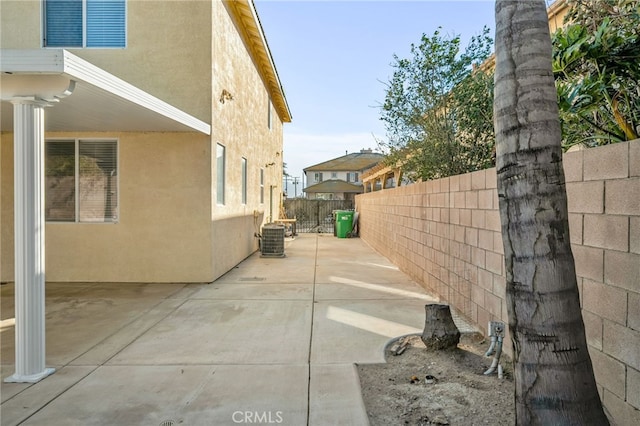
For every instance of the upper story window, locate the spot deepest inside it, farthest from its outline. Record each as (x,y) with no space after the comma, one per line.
(352,177)
(81,179)
(84,23)
(244,180)
(317,177)
(220,173)
(261,186)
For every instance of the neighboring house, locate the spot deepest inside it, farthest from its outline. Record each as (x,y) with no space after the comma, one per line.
(385,176)
(340,178)
(162,136)
(382,176)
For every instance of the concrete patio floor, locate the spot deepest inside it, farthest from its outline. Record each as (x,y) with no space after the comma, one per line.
(272,341)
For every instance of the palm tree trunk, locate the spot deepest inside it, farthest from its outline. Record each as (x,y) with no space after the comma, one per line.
(553,373)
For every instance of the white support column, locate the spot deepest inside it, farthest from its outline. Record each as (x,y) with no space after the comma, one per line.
(28,126)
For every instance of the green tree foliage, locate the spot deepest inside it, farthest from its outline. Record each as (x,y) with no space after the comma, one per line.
(596,65)
(438,108)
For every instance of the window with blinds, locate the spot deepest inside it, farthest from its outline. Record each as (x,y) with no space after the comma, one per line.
(81,181)
(84,23)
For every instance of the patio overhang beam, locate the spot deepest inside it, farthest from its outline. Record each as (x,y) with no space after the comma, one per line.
(100,102)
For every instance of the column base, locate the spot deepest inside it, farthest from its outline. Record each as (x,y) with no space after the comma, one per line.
(31,378)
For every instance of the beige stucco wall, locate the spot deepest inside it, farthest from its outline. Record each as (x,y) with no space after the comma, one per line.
(6,207)
(21,24)
(175,53)
(168,51)
(446,234)
(164,225)
(241,125)
(164,231)
(557,12)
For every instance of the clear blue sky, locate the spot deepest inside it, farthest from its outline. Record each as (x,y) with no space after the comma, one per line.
(333,57)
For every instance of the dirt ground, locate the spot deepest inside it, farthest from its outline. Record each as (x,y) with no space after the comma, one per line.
(459,395)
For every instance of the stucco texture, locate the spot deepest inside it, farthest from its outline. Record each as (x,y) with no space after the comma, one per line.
(170,228)
(163,229)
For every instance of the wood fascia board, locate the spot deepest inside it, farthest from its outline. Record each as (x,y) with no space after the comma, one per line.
(244,12)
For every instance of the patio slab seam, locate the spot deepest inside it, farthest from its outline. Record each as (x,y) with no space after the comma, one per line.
(309,333)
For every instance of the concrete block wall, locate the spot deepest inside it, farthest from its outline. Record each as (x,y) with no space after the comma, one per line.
(603,192)
(446,235)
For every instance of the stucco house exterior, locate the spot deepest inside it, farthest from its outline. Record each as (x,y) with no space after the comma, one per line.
(162,129)
(341,177)
(140,141)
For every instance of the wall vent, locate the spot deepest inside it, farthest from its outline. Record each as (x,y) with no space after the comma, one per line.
(272,240)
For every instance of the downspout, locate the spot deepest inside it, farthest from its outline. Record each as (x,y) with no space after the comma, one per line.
(271,203)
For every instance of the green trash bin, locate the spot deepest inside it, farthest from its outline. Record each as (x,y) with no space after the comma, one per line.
(344,223)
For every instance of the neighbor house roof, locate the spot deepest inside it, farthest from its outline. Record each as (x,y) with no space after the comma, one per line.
(334,185)
(245,13)
(351,162)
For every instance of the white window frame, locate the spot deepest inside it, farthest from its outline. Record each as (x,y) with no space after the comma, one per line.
(317,177)
(221,172)
(76,155)
(43,27)
(243,171)
(261,186)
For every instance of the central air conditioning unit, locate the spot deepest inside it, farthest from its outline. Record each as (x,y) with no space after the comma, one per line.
(272,243)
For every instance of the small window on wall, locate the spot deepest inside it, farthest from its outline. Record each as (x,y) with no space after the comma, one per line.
(244,181)
(84,23)
(81,181)
(261,186)
(220,173)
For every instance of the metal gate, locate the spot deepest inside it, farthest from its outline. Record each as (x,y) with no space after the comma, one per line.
(314,215)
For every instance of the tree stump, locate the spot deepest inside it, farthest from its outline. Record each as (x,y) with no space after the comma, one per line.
(440,332)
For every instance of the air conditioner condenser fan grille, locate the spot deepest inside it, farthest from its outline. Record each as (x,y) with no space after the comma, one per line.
(272,244)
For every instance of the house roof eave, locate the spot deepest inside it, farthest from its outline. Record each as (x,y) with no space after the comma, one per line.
(354,162)
(99,101)
(245,13)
